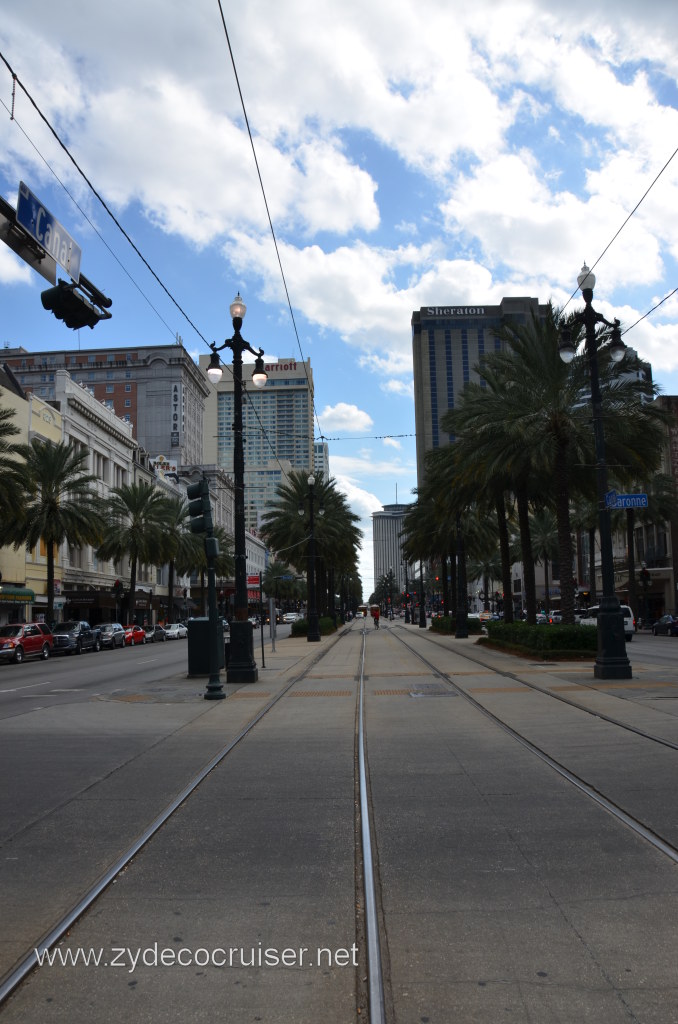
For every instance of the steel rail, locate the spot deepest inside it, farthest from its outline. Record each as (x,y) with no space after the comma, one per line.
(671,744)
(374,971)
(14,978)
(657,841)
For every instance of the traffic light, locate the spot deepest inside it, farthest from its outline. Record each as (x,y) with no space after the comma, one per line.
(117,589)
(71,306)
(199,507)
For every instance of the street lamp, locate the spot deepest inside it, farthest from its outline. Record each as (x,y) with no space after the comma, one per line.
(313,632)
(611,662)
(241,665)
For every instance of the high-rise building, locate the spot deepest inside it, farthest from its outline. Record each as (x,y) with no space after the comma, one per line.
(277,429)
(387,535)
(157,388)
(448,342)
(321,459)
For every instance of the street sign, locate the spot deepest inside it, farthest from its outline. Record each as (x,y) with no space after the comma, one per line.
(23,244)
(617,501)
(48,232)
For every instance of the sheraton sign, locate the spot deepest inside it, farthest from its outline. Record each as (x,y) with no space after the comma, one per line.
(455,311)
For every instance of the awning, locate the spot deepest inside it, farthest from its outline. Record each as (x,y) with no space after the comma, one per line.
(15,594)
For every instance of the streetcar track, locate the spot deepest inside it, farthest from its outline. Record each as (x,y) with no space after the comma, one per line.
(367,923)
(611,720)
(618,812)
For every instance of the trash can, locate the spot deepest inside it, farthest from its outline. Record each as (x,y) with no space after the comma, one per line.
(199,646)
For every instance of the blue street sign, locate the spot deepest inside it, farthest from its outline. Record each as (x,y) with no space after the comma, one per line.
(48,232)
(611,499)
(631,501)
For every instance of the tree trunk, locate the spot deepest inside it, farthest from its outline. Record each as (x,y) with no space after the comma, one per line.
(50,584)
(631,556)
(547,600)
(446,591)
(592,566)
(526,550)
(564,534)
(507,582)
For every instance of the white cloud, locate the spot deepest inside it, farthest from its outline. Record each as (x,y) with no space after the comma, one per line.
(344,417)
(13,270)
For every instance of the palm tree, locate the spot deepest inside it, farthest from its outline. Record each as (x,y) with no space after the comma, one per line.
(544,534)
(529,420)
(180,546)
(58,503)
(11,487)
(287,532)
(137,522)
(224,565)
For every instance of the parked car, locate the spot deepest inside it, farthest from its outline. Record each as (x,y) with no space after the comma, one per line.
(591,619)
(667,626)
(176,631)
(73,637)
(25,640)
(155,634)
(135,635)
(112,635)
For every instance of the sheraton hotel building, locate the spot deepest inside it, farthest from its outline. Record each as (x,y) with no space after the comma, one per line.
(448,342)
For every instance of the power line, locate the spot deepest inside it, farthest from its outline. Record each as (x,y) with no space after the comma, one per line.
(268,212)
(84,214)
(619,231)
(17,80)
(98,196)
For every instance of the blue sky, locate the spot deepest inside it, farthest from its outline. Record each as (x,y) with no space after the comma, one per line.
(434,152)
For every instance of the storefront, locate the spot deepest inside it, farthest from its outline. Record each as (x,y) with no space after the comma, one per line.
(14,603)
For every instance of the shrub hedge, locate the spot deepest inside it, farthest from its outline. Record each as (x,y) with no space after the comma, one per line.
(325,625)
(546,641)
(449,625)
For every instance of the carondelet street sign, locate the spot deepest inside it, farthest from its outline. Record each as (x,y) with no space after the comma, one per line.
(32,215)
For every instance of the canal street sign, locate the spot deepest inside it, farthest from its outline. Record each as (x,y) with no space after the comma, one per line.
(48,232)
(617,501)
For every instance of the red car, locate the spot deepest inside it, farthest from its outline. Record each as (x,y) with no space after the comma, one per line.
(134,635)
(25,640)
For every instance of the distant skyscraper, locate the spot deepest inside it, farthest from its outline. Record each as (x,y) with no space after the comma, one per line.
(277,429)
(448,342)
(321,459)
(387,530)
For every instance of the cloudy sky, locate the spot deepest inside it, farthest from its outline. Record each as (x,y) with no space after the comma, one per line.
(411,153)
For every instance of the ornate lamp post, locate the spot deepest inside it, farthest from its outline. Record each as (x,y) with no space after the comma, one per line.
(407,597)
(611,662)
(313,634)
(241,666)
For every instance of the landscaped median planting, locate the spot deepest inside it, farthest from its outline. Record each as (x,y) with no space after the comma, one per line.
(326,627)
(448,624)
(547,642)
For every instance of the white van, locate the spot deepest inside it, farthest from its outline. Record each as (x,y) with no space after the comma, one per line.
(590,618)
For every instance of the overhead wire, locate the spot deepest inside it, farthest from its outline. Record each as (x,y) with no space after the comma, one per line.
(268,212)
(616,235)
(17,81)
(83,212)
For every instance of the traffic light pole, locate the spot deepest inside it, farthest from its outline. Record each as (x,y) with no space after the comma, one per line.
(215,690)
